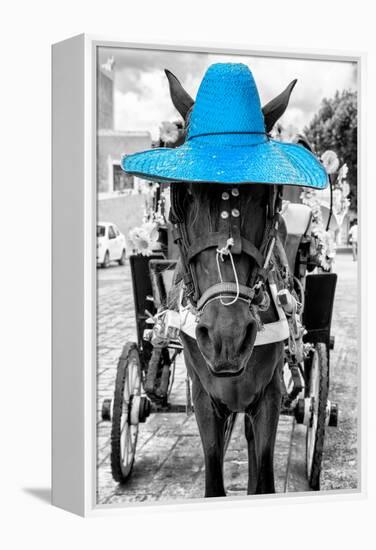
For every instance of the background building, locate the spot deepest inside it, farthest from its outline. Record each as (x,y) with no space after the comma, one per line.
(121,197)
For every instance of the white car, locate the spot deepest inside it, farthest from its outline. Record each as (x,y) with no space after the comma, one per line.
(110,244)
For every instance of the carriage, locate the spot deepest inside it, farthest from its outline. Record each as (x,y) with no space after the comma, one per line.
(145,370)
(269,351)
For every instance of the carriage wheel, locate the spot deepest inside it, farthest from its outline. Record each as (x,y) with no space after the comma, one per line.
(125,416)
(318,393)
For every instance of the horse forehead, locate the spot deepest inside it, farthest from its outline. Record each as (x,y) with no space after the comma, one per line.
(209,208)
(247,196)
(216,188)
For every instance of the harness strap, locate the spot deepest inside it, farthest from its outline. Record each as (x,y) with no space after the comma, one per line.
(270,234)
(225,290)
(181,239)
(250,249)
(211,241)
(229,227)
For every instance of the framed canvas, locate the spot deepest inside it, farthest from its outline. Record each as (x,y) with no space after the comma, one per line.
(207,242)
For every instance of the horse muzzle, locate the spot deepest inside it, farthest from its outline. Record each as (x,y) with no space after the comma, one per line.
(225,337)
(227,369)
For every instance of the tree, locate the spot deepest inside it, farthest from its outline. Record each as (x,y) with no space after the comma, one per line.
(335,127)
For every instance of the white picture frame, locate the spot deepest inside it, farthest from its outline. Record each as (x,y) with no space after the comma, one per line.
(74,268)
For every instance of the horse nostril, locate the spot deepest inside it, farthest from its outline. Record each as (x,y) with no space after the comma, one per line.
(202,332)
(211,342)
(204,338)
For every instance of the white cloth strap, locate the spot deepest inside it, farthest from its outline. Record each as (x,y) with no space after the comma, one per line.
(277,331)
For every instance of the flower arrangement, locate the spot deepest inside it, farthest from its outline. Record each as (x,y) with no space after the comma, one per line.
(144,239)
(169,132)
(325,246)
(330,161)
(325,243)
(340,205)
(341,190)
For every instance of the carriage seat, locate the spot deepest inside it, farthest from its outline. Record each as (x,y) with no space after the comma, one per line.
(297,218)
(161,276)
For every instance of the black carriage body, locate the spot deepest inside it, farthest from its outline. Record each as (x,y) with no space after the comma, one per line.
(318,308)
(150,282)
(150,292)
(142,294)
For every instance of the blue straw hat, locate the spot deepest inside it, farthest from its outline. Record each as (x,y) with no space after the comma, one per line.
(227,142)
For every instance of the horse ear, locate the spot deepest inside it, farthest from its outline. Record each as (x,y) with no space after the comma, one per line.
(302,140)
(180,98)
(277,106)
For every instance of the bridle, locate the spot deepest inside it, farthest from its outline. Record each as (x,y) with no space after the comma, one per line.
(227,241)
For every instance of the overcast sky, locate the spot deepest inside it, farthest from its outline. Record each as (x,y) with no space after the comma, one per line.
(142,100)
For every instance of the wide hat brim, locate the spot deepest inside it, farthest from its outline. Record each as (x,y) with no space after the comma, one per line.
(210,161)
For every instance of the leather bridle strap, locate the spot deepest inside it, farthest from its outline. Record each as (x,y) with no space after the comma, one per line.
(270,233)
(177,218)
(188,251)
(225,290)
(211,241)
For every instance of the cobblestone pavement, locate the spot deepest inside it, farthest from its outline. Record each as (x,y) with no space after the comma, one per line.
(169,460)
(340,459)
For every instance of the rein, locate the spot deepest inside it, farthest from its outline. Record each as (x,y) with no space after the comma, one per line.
(228,241)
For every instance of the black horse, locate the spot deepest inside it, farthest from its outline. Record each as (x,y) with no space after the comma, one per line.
(229,374)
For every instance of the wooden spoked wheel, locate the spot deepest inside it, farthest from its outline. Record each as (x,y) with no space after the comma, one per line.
(318,394)
(125,414)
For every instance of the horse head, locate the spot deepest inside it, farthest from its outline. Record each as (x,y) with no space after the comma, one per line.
(227,329)
(227,326)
